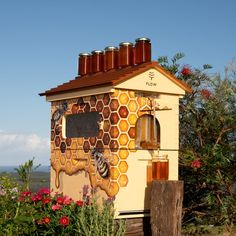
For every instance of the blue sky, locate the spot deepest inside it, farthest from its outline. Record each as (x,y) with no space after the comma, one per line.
(40,42)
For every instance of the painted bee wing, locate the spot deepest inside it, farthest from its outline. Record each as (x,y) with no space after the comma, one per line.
(56,115)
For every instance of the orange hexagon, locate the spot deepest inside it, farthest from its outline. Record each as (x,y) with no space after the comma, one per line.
(114,173)
(114,132)
(116,93)
(141,101)
(123,98)
(132,119)
(123,125)
(113,189)
(74,146)
(123,139)
(132,132)
(106,125)
(114,160)
(123,180)
(123,166)
(132,146)
(131,94)
(123,153)
(133,106)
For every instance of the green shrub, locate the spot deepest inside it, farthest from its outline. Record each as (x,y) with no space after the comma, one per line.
(43,213)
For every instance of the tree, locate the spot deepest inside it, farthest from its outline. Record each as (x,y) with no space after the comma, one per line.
(207,143)
(25,171)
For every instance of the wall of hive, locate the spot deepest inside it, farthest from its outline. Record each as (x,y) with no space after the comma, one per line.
(120,111)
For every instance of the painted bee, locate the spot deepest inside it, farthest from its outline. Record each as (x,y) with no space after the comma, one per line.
(60,111)
(100,163)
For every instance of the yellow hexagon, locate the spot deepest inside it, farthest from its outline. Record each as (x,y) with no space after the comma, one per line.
(132,146)
(132,119)
(123,139)
(116,93)
(53,157)
(74,160)
(123,166)
(74,146)
(113,189)
(57,153)
(68,154)
(123,153)
(80,141)
(141,101)
(114,173)
(133,106)
(63,159)
(123,98)
(123,180)
(131,94)
(114,160)
(68,167)
(123,125)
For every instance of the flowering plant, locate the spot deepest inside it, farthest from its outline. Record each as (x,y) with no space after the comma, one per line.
(48,213)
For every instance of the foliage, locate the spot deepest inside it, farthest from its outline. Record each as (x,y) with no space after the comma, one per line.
(47,213)
(207,144)
(25,171)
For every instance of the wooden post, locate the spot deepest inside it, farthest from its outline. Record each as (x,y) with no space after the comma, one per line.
(166,208)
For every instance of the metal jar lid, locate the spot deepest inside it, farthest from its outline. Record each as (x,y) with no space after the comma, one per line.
(126,44)
(84,54)
(111,48)
(97,52)
(142,39)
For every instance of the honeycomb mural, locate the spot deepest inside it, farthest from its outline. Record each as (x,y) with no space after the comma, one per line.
(116,138)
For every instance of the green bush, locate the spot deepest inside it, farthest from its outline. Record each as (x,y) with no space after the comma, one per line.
(207,144)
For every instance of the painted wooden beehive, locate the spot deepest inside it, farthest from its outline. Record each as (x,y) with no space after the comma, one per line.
(107,123)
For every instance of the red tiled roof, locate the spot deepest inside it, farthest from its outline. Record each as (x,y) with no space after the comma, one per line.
(112,77)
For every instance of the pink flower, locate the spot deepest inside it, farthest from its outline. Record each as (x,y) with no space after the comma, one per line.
(206,93)
(196,164)
(56,207)
(186,71)
(79,203)
(67,200)
(64,221)
(44,191)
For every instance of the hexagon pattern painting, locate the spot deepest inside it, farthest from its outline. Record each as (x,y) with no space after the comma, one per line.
(116,139)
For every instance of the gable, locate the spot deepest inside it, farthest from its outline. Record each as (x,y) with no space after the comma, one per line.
(152,80)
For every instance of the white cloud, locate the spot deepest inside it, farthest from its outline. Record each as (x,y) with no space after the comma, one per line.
(15,148)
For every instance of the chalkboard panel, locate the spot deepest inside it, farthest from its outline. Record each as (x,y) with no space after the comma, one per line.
(82,125)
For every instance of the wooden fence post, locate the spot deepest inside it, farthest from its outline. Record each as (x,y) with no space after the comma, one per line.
(166,207)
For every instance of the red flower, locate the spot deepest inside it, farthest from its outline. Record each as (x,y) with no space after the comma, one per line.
(79,203)
(186,71)
(206,93)
(46,220)
(36,198)
(46,200)
(44,191)
(196,164)
(25,193)
(60,200)
(64,221)
(56,207)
